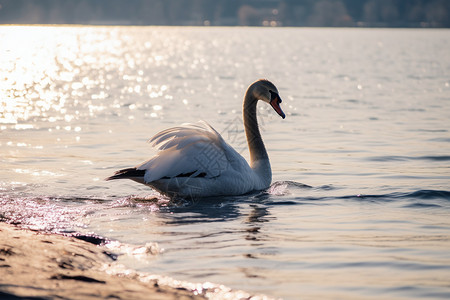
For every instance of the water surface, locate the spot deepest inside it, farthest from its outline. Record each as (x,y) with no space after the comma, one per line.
(367,128)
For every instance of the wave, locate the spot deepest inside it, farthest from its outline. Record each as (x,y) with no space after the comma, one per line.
(387,158)
(430,194)
(295,193)
(420,194)
(66,215)
(421,199)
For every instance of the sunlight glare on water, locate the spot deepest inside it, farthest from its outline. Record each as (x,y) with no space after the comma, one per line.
(359,205)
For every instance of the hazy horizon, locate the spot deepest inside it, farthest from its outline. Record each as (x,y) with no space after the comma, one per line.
(302,13)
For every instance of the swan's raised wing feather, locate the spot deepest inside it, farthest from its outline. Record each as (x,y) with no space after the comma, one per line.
(188,149)
(185,130)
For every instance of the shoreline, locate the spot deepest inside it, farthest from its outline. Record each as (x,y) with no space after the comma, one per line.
(36,265)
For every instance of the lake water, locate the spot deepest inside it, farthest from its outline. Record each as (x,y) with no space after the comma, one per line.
(367,127)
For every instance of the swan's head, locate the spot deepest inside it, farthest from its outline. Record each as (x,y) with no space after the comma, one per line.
(266,91)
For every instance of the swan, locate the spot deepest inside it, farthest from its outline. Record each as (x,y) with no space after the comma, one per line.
(195,161)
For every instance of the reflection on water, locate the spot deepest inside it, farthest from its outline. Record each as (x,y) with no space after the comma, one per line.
(309,241)
(359,206)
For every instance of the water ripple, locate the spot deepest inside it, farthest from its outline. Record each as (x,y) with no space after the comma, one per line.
(389,158)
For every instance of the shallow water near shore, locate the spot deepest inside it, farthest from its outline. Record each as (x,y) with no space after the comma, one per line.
(360,201)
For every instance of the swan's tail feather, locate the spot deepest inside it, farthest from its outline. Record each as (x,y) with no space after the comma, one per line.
(130,173)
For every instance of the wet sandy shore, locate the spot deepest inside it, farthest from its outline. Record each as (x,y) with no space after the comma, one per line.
(34,265)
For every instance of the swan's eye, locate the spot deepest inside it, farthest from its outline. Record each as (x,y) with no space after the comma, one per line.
(274,95)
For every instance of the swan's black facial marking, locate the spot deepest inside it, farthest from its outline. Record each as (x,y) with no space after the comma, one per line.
(274,95)
(275,101)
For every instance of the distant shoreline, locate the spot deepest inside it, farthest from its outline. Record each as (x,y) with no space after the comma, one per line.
(212,26)
(323,13)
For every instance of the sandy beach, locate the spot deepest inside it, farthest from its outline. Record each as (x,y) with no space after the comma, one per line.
(36,265)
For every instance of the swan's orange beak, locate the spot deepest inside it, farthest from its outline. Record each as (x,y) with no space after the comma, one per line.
(275,101)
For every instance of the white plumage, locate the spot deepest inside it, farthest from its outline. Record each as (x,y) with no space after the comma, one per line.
(194,160)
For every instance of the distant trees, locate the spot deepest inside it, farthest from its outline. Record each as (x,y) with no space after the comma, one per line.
(398,13)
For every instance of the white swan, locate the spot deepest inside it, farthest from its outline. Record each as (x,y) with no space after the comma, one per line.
(195,161)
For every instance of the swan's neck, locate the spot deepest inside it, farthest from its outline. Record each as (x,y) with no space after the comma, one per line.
(259,160)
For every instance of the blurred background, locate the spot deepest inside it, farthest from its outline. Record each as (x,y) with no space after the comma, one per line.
(319,13)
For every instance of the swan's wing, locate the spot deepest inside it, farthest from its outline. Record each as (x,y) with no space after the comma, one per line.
(195,150)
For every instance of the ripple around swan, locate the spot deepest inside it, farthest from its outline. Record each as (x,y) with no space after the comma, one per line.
(323,193)
(33,212)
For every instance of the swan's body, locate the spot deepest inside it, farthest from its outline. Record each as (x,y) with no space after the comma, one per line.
(194,160)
